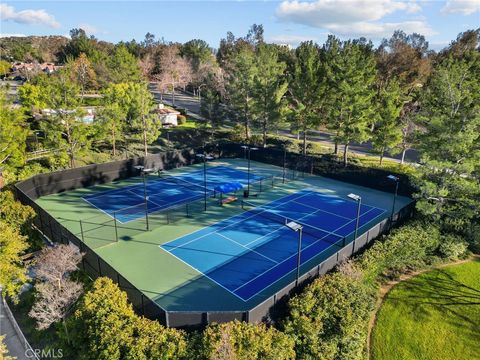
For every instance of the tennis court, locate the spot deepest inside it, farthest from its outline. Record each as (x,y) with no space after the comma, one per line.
(247,253)
(128,203)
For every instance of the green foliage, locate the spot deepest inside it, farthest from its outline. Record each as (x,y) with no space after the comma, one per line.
(4,350)
(305,89)
(473,237)
(105,326)
(63,128)
(4,67)
(145,125)
(409,247)
(32,97)
(328,320)
(387,133)
(351,75)
(111,123)
(242,341)
(269,89)
(240,74)
(197,51)
(449,181)
(79,43)
(83,73)
(123,66)
(452,247)
(13,274)
(16,215)
(181,119)
(13,133)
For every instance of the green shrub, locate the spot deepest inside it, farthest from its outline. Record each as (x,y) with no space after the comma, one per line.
(409,247)
(181,119)
(473,238)
(329,319)
(238,133)
(452,247)
(242,341)
(104,326)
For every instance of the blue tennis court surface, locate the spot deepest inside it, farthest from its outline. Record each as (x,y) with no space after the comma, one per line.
(128,202)
(249,252)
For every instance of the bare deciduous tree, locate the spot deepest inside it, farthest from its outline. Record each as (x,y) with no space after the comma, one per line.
(55,263)
(56,292)
(175,71)
(53,304)
(147,64)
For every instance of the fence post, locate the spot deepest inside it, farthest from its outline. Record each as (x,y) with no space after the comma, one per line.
(81,230)
(99,266)
(115,225)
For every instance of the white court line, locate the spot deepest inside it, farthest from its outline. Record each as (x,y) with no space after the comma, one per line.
(280,227)
(325,211)
(291,256)
(96,207)
(365,213)
(201,273)
(249,250)
(227,226)
(308,191)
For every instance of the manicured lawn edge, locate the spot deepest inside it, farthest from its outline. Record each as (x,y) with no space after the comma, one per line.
(388,286)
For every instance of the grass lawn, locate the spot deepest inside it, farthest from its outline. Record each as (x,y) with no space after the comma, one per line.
(435,315)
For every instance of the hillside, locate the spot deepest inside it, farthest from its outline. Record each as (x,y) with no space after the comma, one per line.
(32,48)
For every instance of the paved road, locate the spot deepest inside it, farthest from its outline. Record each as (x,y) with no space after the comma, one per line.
(191,103)
(14,344)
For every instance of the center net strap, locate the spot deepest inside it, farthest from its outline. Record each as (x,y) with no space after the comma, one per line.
(311,230)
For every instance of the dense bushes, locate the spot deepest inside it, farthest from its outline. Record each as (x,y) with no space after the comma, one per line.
(409,247)
(105,326)
(242,341)
(329,319)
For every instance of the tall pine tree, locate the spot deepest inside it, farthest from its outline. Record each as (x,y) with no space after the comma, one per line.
(270,87)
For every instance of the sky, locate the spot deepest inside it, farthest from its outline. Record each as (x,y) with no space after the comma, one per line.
(285,22)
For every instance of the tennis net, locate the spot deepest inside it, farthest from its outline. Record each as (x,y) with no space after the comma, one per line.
(186,184)
(311,230)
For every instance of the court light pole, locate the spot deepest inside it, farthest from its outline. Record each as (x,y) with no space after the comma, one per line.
(284,162)
(144,172)
(396,179)
(205,158)
(292,225)
(358,199)
(249,149)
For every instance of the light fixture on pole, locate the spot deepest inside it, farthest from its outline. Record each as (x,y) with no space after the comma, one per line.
(292,225)
(249,149)
(396,179)
(205,158)
(145,171)
(358,199)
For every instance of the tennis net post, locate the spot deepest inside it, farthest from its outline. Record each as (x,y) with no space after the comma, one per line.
(115,225)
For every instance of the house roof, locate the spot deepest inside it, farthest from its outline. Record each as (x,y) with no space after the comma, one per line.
(165,111)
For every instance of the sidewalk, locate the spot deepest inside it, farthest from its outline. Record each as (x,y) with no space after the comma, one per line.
(14,344)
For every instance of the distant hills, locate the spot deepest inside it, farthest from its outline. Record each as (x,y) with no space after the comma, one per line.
(32,48)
